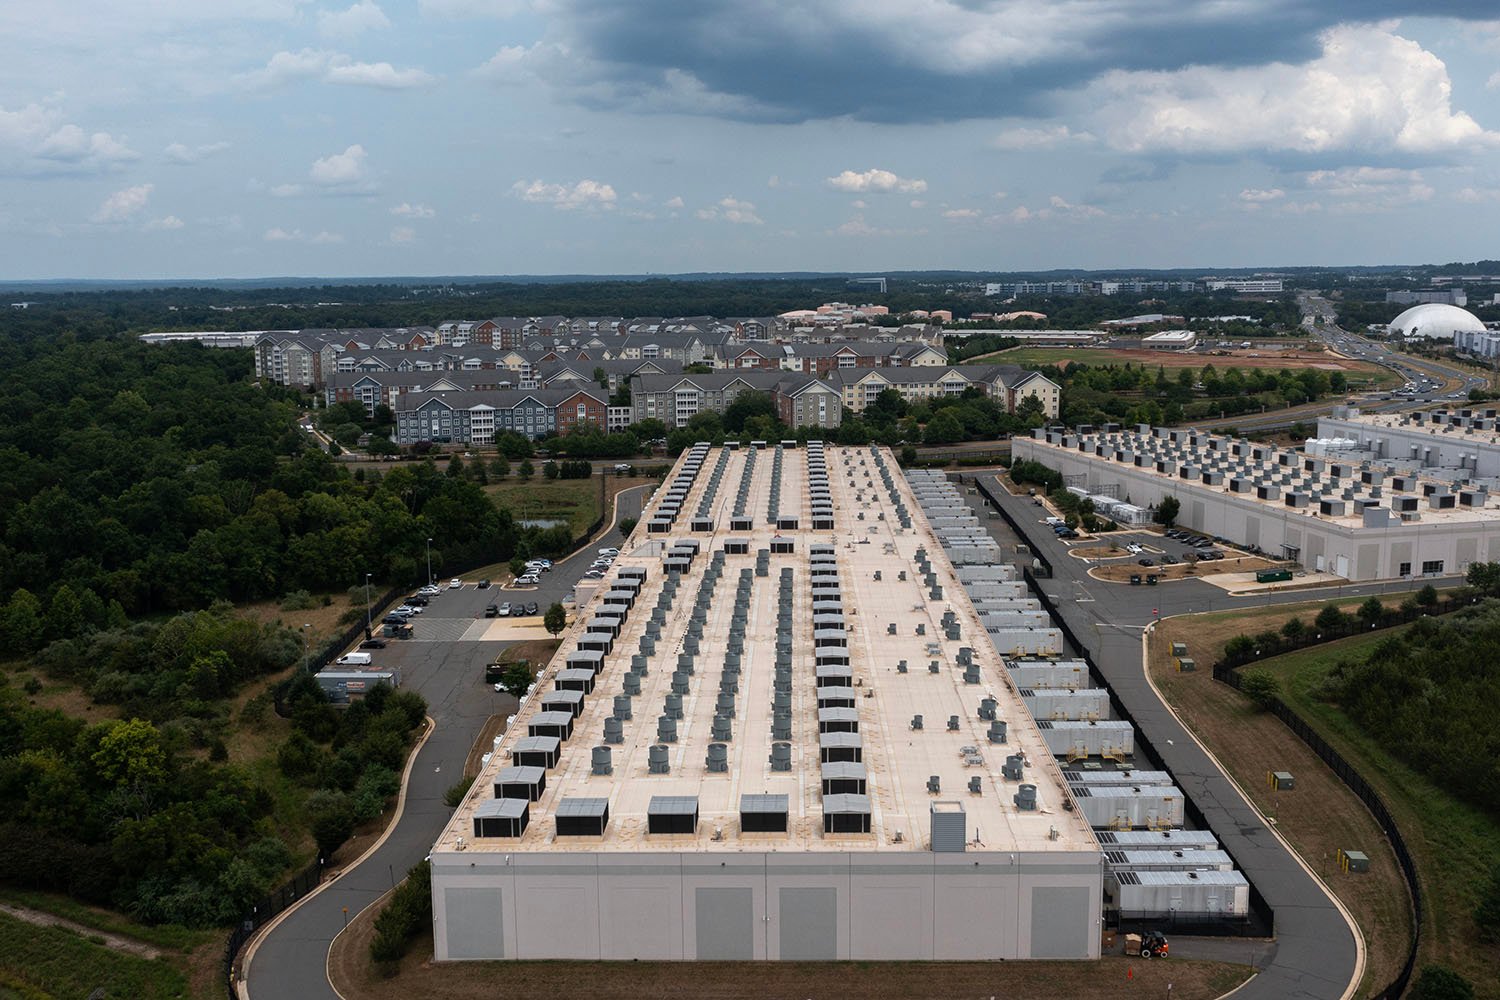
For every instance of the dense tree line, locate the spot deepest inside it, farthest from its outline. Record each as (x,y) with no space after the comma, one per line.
(1431,695)
(146,813)
(138,479)
(1131,393)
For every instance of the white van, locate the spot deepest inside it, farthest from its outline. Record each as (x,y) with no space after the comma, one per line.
(1054,521)
(355,659)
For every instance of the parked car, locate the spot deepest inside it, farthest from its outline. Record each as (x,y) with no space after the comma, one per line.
(431,590)
(532,609)
(609,552)
(1146,562)
(372,644)
(528,580)
(418,600)
(492,612)
(484,585)
(1168,560)
(594,574)
(505,610)
(1067,533)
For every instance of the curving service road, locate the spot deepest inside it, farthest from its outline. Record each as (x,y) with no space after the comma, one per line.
(290,958)
(1316,953)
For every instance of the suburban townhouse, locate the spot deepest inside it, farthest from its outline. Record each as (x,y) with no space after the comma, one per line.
(676,399)
(475,418)
(375,387)
(1007,385)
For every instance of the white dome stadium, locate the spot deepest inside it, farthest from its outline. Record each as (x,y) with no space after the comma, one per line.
(1435,321)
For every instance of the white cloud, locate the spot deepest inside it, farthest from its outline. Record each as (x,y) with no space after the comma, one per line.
(382,75)
(1476,196)
(1001,195)
(35,140)
(1493,83)
(1369,90)
(730,209)
(403,234)
(584,194)
(123,204)
(962,213)
(471,9)
(279,235)
(674,202)
(178,153)
(510,64)
(166,222)
(1368,189)
(1025,139)
(774,181)
(1257,195)
(333,67)
(410,211)
(859,203)
(918,203)
(345,169)
(354,21)
(876,181)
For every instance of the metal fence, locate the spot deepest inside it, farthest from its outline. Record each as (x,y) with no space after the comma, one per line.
(1229,674)
(264,911)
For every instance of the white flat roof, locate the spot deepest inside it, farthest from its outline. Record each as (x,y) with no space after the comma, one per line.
(898,761)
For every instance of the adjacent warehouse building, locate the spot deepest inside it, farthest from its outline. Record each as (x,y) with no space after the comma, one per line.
(1348,517)
(780,733)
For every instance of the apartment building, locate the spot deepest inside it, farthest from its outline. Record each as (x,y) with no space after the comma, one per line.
(1007,385)
(476,417)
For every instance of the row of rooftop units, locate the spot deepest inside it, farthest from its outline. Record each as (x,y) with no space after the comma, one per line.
(1135,813)
(521,783)
(1300,481)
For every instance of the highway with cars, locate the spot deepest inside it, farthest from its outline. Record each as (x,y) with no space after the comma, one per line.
(445,664)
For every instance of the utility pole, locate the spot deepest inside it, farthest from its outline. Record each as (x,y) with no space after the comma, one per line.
(367,606)
(429,562)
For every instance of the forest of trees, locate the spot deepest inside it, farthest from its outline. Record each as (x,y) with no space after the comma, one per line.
(1430,695)
(1150,394)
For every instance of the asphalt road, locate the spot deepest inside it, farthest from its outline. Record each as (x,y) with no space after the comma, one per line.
(1314,954)
(291,959)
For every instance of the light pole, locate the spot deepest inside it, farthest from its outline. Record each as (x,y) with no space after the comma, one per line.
(429,562)
(367,605)
(306,664)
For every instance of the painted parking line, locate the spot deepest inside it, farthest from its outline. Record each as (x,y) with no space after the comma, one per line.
(440,629)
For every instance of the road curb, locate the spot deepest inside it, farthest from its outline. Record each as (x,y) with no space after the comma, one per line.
(1359,939)
(242,984)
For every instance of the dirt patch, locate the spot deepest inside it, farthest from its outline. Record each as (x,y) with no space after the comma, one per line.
(493,726)
(350,969)
(1321,815)
(1092,552)
(117,942)
(1122,572)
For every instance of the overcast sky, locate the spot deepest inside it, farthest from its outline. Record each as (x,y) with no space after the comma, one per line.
(205,138)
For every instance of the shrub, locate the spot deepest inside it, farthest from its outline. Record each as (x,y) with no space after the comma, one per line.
(456,791)
(408,912)
(1261,687)
(1438,982)
(298,600)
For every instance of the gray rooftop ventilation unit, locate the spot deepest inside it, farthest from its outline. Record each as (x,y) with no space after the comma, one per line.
(781,756)
(997,733)
(717,760)
(521,783)
(846,814)
(1013,768)
(622,705)
(666,729)
(582,817)
(603,761)
(668,814)
(502,818)
(722,728)
(614,730)
(657,759)
(763,813)
(934,785)
(1025,798)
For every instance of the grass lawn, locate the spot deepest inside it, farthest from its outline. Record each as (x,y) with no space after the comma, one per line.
(573,500)
(1451,844)
(50,962)
(1454,844)
(1359,373)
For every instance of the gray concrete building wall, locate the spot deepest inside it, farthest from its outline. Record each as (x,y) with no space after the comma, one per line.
(970,905)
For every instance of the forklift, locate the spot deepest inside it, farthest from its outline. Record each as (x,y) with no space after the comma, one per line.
(1153,945)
